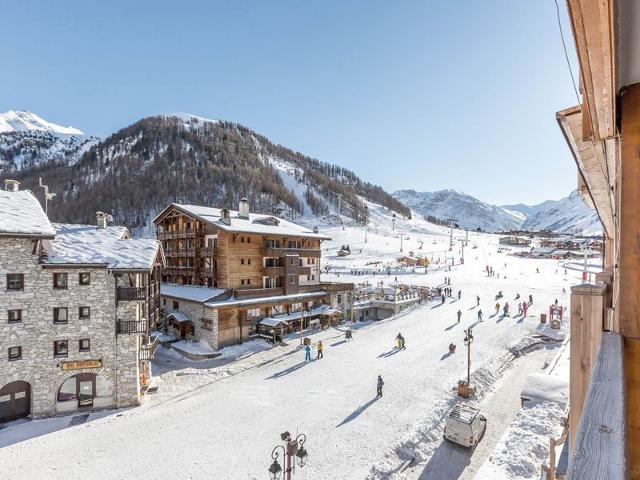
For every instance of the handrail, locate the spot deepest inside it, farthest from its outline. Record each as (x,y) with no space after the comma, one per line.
(600,443)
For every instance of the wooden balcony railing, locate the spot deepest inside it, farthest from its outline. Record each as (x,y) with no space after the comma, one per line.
(126,294)
(148,351)
(180,252)
(242,294)
(280,252)
(599,448)
(132,326)
(190,232)
(273,271)
(208,251)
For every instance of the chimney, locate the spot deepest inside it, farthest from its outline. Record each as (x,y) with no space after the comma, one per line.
(11,185)
(225,217)
(315,229)
(102,219)
(243,210)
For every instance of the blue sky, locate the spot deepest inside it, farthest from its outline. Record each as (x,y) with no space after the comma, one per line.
(408,94)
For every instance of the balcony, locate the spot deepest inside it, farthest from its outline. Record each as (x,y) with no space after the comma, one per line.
(304,270)
(208,251)
(600,446)
(180,252)
(243,294)
(281,252)
(179,270)
(148,351)
(126,327)
(188,232)
(132,294)
(273,271)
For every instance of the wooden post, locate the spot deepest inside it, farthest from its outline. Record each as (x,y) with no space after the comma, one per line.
(629,263)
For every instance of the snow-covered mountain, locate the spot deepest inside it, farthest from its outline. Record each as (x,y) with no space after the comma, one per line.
(568,215)
(22,121)
(28,141)
(465,210)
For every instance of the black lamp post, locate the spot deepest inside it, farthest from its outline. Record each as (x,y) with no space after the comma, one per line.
(468,340)
(291,450)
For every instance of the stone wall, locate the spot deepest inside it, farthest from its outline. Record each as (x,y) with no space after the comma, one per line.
(205,320)
(37,331)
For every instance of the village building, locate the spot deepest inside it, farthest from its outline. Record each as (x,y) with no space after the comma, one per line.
(75,311)
(377,302)
(514,240)
(235,275)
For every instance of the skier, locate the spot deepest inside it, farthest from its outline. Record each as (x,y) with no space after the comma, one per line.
(530,299)
(320,355)
(452,348)
(379,386)
(459,294)
(519,309)
(537,270)
(348,335)
(517,296)
(443,299)
(497,307)
(564,291)
(477,301)
(399,341)
(480,315)
(307,353)
(556,302)
(525,307)
(506,309)
(459,315)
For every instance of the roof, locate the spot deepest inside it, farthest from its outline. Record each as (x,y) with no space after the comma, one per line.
(274,299)
(190,292)
(178,316)
(271,322)
(287,317)
(539,387)
(22,215)
(252,224)
(464,413)
(90,245)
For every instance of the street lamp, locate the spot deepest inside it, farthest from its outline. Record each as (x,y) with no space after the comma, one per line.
(468,340)
(290,449)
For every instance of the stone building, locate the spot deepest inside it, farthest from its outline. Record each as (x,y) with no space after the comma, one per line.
(75,310)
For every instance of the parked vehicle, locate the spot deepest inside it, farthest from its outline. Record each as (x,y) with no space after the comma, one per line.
(465,426)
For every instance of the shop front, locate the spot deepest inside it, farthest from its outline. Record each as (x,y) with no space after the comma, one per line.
(84,391)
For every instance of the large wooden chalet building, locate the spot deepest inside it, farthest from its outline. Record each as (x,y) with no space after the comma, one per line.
(234,274)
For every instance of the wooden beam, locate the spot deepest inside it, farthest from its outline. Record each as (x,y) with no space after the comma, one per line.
(629,265)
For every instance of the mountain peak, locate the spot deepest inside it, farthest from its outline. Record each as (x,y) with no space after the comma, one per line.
(25,121)
(189,117)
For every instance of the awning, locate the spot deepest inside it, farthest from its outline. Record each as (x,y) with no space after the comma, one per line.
(178,317)
(271,322)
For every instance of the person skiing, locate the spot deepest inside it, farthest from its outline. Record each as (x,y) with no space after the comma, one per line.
(452,348)
(379,386)
(525,307)
(399,340)
(555,302)
(530,299)
(517,296)
(564,291)
(443,299)
(348,335)
(477,301)
(307,353)
(519,309)
(497,307)
(459,315)
(506,309)
(459,294)
(537,270)
(319,355)
(480,315)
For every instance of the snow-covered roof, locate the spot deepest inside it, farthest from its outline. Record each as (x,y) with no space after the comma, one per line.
(252,224)
(539,387)
(178,316)
(22,215)
(271,322)
(88,244)
(287,317)
(253,301)
(190,292)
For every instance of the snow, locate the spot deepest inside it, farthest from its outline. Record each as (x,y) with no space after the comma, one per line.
(228,412)
(250,225)
(190,292)
(200,347)
(22,214)
(321,310)
(88,244)
(178,316)
(544,388)
(20,121)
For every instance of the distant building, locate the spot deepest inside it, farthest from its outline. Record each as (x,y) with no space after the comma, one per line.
(231,273)
(75,311)
(515,241)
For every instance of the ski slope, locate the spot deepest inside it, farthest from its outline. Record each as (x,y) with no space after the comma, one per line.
(221,418)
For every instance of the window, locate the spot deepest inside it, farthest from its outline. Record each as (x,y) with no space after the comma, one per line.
(15,353)
(61,348)
(242,261)
(241,239)
(60,315)
(248,261)
(253,312)
(164,301)
(14,316)
(176,305)
(84,345)
(84,312)
(293,260)
(339,301)
(84,278)
(15,281)
(248,239)
(313,277)
(60,280)
(292,279)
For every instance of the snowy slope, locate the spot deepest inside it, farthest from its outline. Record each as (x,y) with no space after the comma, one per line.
(568,215)
(22,121)
(467,211)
